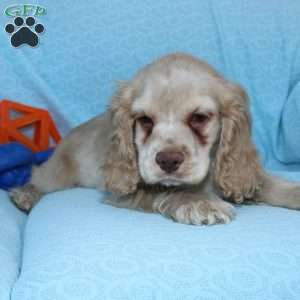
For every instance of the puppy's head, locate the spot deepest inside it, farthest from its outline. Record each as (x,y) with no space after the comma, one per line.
(176,122)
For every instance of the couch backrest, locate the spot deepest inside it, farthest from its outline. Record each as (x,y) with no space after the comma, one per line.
(87,45)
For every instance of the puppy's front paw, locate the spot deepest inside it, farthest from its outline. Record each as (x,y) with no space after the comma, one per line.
(25,197)
(200,212)
(204,212)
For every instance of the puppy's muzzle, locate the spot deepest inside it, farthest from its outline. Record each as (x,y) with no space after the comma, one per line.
(169,161)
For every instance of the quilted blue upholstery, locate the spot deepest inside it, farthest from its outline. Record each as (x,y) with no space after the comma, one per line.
(77,248)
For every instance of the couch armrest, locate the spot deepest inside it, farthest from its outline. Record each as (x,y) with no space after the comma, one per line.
(12,222)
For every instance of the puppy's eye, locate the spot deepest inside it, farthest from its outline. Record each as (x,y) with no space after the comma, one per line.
(197,120)
(146,123)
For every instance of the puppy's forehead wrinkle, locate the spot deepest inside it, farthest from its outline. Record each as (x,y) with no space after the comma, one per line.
(174,106)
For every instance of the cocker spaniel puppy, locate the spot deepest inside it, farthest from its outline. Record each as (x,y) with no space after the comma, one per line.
(175,140)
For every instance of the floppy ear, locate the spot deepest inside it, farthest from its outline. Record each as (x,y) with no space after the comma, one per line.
(120,167)
(237,170)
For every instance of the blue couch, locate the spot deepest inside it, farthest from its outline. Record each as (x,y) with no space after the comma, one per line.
(72,246)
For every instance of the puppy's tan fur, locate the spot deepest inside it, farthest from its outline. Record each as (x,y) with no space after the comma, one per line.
(105,151)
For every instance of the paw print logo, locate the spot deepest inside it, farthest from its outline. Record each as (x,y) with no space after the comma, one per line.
(23,33)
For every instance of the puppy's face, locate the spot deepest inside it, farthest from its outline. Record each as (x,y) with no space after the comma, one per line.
(171,120)
(176,126)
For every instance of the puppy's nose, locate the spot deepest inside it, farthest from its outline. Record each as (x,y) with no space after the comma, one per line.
(169,161)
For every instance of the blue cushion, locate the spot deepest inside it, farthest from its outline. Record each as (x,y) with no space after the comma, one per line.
(11,230)
(79,248)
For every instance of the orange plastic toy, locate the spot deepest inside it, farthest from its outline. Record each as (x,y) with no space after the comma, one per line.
(16,118)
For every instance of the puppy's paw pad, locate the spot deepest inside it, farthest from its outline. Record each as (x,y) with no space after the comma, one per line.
(25,197)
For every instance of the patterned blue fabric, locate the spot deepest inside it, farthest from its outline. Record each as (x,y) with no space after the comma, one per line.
(78,248)
(11,235)
(87,45)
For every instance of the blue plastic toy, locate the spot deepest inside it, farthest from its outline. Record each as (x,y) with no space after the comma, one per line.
(16,162)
